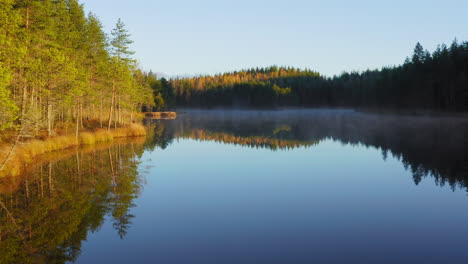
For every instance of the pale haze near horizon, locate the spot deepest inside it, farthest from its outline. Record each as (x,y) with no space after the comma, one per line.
(189,37)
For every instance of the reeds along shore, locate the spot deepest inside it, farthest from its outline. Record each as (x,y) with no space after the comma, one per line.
(25,153)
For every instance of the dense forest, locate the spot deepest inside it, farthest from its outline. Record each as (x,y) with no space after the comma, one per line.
(59,69)
(437,81)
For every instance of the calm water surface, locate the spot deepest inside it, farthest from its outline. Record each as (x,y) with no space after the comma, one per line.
(295,186)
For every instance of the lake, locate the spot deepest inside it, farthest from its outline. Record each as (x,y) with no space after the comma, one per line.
(290,186)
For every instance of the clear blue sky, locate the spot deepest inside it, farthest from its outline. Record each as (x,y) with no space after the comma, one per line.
(187,37)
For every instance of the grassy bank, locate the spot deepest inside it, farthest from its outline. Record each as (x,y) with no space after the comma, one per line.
(26,152)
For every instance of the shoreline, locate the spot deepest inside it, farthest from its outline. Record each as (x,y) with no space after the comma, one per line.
(9,184)
(161,115)
(25,153)
(367,110)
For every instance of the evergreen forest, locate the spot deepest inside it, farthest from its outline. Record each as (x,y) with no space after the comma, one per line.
(434,81)
(60,70)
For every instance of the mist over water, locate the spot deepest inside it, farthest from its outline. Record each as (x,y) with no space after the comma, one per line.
(238,186)
(436,146)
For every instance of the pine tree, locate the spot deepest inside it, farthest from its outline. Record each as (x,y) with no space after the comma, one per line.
(418,55)
(121,43)
(122,66)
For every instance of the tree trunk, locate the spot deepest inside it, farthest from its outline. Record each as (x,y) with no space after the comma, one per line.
(77,130)
(27,17)
(32,98)
(100,114)
(120,113)
(49,118)
(111,106)
(23,104)
(81,115)
(116,113)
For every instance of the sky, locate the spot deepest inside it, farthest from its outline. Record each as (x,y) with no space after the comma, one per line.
(191,37)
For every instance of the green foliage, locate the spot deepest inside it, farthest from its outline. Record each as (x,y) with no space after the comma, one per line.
(159,101)
(281,91)
(57,66)
(8,108)
(10,54)
(121,42)
(163,92)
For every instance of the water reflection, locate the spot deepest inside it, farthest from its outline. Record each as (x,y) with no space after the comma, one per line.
(428,146)
(45,216)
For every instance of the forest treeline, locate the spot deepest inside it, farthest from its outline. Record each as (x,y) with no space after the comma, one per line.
(59,69)
(436,81)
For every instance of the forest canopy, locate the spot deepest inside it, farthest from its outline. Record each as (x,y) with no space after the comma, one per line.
(436,81)
(58,68)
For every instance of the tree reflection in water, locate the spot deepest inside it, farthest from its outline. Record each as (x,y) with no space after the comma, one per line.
(428,146)
(45,215)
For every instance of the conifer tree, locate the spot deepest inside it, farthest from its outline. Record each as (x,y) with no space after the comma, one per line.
(56,70)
